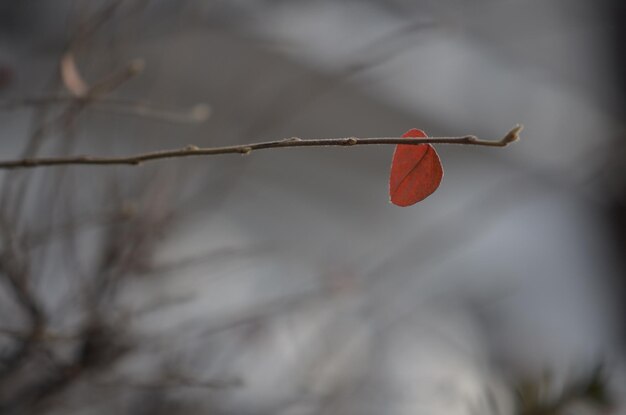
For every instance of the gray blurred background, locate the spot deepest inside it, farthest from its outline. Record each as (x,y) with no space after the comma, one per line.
(284,282)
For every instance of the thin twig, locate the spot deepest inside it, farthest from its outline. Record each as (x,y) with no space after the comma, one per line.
(191,150)
(196,114)
(58,99)
(177,381)
(43,336)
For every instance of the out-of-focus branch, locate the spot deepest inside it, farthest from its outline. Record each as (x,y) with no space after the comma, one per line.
(173,381)
(191,150)
(14,272)
(196,114)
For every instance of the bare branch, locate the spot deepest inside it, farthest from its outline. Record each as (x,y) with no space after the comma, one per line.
(43,336)
(244,149)
(196,114)
(173,381)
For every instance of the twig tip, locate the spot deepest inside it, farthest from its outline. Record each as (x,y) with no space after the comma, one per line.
(513,135)
(136,66)
(200,112)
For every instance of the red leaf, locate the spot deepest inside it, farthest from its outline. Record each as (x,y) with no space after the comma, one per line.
(416,171)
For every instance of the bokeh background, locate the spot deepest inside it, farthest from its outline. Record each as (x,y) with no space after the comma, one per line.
(284,282)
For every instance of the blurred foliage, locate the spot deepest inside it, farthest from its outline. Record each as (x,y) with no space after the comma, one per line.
(544,397)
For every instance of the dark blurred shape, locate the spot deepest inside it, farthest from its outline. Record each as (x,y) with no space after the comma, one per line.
(16,16)
(544,397)
(615,173)
(6,76)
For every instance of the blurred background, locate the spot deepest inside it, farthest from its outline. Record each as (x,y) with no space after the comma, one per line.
(284,282)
